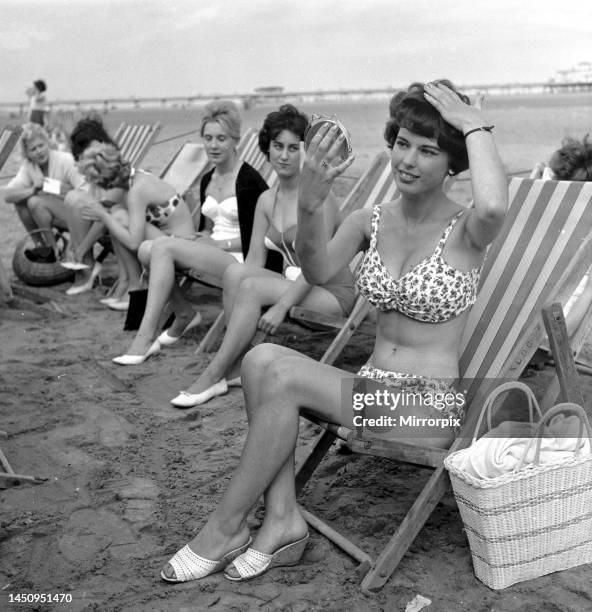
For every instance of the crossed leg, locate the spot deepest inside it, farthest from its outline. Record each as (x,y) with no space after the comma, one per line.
(277,382)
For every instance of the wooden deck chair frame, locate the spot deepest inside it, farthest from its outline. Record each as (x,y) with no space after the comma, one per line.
(134,140)
(542,252)
(375,185)
(8,140)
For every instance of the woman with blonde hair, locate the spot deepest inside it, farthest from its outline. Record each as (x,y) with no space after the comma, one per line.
(228,194)
(147,207)
(38,189)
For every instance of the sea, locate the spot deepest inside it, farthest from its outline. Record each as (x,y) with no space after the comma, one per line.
(528,128)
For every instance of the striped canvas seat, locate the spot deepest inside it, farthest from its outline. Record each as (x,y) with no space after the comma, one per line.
(538,258)
(8,139)
(134,141)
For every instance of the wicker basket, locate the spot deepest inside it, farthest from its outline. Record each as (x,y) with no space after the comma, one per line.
(39,273)
(530,522)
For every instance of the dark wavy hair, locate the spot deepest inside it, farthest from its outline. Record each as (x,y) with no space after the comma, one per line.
(573,161)
(288,117)
(87,130)
(409,109)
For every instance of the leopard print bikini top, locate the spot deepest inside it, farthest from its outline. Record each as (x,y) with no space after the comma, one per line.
(433,291)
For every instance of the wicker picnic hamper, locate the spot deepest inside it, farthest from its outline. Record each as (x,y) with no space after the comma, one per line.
(534,520)
(36,272)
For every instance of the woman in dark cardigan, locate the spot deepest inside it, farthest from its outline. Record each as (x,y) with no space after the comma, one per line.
(229,194)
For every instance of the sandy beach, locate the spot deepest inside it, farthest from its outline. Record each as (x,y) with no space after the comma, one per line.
(129,478)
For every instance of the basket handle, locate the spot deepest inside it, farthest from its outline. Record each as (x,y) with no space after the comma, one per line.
(569,407)
(503,388)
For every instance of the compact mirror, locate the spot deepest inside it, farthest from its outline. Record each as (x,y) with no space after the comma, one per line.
(315,125)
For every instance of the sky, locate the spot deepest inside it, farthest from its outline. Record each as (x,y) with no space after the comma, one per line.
(86,49)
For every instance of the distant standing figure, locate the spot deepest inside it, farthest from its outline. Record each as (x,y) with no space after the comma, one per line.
(37,102)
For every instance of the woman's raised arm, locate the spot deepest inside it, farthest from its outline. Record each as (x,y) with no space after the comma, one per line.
(320,258)
(488,177)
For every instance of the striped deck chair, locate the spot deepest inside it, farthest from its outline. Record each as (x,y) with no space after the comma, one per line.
(541,253)
(249,151)
(184,171)
(375,185)
(135,140)
(8,139)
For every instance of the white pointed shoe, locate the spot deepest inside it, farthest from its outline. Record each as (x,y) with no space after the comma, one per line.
(137,359)
(121,305)
(74,265)
(166,339)
(253,563)
(188,400)
(188,565)
(89,284)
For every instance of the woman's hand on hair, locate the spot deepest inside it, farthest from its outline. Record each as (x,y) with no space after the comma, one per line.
(319,169)
(453,110)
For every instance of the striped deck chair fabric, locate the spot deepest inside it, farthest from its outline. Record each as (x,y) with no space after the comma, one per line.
(541,253)
(135,140)
(185,169)
(250,152)
(8,139)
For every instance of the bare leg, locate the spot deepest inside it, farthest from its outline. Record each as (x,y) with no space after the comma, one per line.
(254,293)
(27,220)
(46,210)
(277,381)
(79,228)
(166,253)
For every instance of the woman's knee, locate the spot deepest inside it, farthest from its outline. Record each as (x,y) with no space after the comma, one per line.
(38,206)
(75,199)
(144,252)
(233,274)
(250,288)
(271,362)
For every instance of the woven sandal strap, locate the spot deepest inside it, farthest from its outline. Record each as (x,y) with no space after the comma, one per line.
(251,562)
(187,564)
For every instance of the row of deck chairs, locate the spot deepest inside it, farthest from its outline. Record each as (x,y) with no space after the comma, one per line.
(539,257)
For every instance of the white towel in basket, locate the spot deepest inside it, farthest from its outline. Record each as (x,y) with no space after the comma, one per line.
(495,453)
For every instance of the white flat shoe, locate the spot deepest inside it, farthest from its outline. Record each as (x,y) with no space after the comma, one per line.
(188,565)
(166,339)
(187,400)
(121,305)
(109,300)
(253,563)
(137,359)
(74,265)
